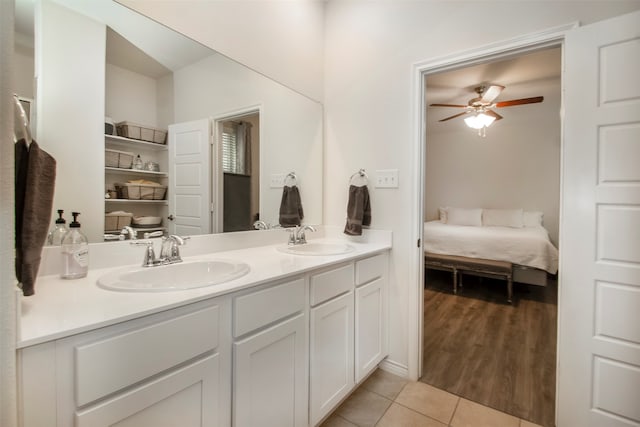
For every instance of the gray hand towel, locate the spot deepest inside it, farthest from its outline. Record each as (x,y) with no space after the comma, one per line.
(358,210)
(35,176)
(291,213)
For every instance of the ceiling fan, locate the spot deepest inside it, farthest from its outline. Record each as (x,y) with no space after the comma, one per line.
(479,109)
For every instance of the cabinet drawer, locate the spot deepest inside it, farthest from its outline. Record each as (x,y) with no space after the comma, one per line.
(184,397)
(329,284)
(370,269)
(112,363)
(261,308)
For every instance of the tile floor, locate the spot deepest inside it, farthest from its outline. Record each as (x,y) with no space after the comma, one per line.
(386,400)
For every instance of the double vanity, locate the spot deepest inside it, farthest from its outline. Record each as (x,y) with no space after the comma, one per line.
(277,335)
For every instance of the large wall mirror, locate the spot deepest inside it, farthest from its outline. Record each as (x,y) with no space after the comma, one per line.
(234,135)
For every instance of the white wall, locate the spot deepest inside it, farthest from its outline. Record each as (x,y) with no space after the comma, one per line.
(130,96)
(70,107)
(291,125)
(369,51)
(280,39)
(23,72)
(517,164)
(165,101)
(8,306)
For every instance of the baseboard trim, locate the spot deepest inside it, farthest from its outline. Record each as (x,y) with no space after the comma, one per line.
(394,368)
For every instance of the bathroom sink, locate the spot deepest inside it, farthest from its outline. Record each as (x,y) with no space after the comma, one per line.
(318,249)
(173,277)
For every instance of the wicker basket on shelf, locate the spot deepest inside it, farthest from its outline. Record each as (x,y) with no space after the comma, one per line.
(141,132)
(118,159)
(136,191)
(115,221)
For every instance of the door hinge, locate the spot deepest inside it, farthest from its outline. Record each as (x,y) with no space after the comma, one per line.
(418,242)
(212,207)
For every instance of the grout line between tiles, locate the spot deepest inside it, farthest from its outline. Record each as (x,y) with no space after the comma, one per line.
(454,411)
(417,412)
(385,412)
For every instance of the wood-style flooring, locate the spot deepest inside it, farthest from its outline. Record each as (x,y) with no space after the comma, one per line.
(479,347)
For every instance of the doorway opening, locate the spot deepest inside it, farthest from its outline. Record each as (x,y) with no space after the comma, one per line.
(238,166)
(473,342)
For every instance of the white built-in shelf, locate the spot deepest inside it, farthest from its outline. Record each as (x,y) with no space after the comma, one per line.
(121,171)
(140,231)
(128,143)
(156,202)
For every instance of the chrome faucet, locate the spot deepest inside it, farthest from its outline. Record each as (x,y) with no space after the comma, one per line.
(260,225)
(297,236)
(129,231)
(170,251)
(302,239)
(149,259)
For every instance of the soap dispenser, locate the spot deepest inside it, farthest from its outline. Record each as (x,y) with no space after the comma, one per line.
(137,164)
(59,230)
(75,251)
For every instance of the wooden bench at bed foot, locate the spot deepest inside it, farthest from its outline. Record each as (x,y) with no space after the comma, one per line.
(476,266)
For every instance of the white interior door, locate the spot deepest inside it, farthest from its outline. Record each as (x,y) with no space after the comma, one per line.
(599,325)
(189,178)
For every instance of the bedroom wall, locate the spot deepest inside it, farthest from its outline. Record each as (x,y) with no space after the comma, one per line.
(517,165)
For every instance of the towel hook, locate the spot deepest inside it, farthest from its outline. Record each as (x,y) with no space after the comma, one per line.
(292,177)
(21,122)
(360,174)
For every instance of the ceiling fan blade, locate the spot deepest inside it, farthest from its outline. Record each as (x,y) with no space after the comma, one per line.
(491,93)
(522,101)
(448,105)
(493,114)
(453,117)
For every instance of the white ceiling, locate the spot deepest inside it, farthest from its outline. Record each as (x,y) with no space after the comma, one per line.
(525,76)
(122,53)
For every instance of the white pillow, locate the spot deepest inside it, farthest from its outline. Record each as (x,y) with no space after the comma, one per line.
(532,218)
(442,212)
(502,217)
(460,216)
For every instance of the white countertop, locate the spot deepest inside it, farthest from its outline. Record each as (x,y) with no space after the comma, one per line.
(61,308)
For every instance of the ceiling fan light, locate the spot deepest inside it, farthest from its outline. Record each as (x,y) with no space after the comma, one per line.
(479,121)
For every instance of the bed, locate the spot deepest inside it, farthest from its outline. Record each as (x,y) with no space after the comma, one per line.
(515,251)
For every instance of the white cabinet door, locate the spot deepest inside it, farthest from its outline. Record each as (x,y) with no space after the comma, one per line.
(186,397)
(370,326)
(270,377)
(331,361)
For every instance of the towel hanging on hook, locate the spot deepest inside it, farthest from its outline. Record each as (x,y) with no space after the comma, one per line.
(291,213)
(362,175)
(358,205)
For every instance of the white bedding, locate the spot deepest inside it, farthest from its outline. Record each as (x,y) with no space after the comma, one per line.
(529,246)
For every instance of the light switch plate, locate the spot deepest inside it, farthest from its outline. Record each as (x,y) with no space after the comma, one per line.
(277,180)
(387,178)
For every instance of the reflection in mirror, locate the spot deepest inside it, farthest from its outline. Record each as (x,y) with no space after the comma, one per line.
(240,154)
(127,68)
